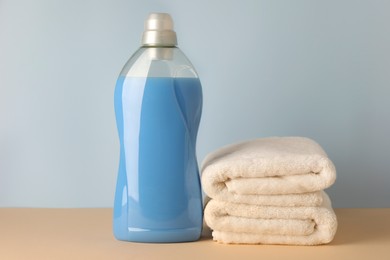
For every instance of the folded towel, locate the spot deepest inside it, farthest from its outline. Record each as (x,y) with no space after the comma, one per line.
(284,200)
(278,165)
(254,224)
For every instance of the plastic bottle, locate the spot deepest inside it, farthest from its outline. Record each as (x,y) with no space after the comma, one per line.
(158,105)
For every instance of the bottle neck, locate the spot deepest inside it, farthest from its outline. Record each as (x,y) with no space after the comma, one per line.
(160,53)
(159,62)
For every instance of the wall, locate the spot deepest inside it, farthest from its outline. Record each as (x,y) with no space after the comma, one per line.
(319,69)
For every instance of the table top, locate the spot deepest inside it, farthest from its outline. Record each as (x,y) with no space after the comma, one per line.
(87,234)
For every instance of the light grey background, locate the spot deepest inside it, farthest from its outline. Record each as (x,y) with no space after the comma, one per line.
(319,69)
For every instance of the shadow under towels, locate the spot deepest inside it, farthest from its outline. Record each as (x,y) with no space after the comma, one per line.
(269,191)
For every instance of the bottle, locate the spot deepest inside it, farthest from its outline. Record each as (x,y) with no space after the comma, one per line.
(158,105)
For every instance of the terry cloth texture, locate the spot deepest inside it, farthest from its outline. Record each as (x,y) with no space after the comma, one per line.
(268,166)
(270,191)
(253,224)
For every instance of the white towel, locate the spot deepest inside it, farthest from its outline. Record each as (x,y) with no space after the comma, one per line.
(254,224)
(267,166)
(284,200)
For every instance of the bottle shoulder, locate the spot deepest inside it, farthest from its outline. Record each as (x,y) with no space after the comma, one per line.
(159,62)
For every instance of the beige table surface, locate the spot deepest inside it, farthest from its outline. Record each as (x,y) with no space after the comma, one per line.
(87,234)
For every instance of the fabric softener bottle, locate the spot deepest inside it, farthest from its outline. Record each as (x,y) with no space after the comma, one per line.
(158,105)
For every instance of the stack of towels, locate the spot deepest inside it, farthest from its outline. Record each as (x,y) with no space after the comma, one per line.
(270,191)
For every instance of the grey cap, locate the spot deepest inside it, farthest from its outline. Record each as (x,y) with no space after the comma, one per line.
(159,31)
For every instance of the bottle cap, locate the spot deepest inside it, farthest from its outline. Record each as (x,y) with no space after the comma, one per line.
(159,31)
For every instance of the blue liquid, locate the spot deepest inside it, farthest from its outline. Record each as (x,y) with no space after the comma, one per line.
(158,194)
